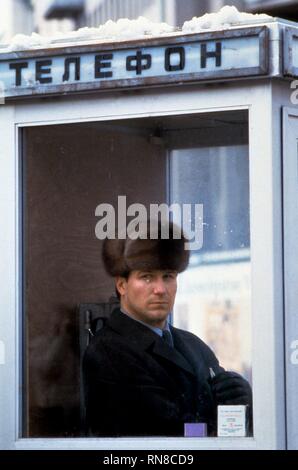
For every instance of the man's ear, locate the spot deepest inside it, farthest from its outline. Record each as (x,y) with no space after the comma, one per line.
(120,283)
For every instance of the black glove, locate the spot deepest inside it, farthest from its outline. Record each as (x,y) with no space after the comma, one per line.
(229,388)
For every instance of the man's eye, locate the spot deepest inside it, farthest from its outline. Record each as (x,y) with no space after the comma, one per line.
(170,276)
(146,277)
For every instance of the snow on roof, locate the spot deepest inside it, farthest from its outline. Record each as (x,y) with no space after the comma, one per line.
(122,29)
(125,29)
(226,17)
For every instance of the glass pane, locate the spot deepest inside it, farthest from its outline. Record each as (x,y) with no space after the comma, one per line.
(68,171)
(213,299)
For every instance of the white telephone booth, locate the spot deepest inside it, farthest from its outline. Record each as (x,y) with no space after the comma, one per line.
(207,118)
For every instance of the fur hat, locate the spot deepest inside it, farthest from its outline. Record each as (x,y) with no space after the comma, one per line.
(121,256)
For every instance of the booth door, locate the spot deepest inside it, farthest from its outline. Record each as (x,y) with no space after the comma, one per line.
(290,192)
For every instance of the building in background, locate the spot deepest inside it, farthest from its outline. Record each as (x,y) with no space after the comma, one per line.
(16,17)
(50,16)
(66,15)
(96,12)
(283,8)
(60,20)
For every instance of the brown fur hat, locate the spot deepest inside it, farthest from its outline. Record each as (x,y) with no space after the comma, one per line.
(121,256)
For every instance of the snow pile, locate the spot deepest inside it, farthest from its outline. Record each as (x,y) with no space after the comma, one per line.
(226,17)
(122,29)
(111,30)
(22,42)
(125,29)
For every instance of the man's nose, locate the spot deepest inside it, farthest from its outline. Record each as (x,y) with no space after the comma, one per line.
(159,287)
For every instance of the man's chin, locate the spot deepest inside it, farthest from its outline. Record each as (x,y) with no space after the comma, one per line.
(159,312)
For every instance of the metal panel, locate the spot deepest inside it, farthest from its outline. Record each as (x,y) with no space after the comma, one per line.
(290,192)
(290,52)
(201,57)
(266,257)
(8,280)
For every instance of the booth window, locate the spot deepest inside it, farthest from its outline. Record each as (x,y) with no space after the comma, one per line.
(68,170)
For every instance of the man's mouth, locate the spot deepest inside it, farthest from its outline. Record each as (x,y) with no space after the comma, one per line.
(158,303)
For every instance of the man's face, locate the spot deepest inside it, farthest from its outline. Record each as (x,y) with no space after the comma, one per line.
(148,296)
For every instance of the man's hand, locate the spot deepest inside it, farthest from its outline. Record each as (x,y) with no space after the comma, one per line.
(230,388)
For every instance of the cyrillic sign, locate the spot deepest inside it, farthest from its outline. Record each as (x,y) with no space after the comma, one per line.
(191,58)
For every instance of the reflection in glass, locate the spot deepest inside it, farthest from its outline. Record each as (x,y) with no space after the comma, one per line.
(213,299)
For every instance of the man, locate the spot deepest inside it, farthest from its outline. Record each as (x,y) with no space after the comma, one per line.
(143,377)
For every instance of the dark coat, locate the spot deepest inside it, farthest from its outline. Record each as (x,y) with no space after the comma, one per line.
(137,385)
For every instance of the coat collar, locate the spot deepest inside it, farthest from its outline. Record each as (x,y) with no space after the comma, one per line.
(144,338)
(137,333)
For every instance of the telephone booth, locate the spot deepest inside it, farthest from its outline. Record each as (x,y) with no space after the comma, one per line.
(206,120)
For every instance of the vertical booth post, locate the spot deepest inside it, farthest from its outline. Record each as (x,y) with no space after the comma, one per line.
(10,275)
(290,187)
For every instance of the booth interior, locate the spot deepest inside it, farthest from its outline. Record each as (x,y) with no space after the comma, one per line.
(67,172)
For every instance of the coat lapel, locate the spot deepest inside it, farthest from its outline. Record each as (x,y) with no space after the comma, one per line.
(194,358)
(143,338)
(160,348)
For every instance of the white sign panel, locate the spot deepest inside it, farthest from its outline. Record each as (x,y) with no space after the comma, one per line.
(234,53)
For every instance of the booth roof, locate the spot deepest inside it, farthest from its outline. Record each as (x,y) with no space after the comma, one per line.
(124,30)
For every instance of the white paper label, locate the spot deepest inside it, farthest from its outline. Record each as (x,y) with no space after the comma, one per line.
(231,421)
